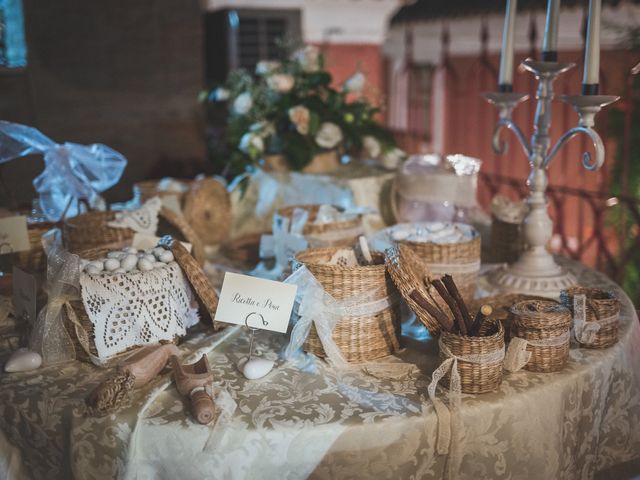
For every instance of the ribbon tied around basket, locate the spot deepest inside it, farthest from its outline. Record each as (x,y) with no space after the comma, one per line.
(448,417)
(50,337)
(316,306)
(71,172)
(585,332)
(518,356)
(286,238)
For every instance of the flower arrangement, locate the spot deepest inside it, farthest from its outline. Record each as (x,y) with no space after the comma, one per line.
(291,109)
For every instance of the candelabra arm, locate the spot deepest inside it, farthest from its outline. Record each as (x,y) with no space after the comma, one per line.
(499,146)
(589,162)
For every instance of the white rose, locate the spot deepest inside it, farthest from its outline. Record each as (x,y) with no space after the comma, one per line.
(220,94)
(308,58)
(265,67)
(251,144)
(243,103)
(371,146)
(299,116)
(355,83)
(281,82)
(329,135)
(392,159)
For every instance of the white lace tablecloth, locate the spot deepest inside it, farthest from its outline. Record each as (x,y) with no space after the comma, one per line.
(323,424)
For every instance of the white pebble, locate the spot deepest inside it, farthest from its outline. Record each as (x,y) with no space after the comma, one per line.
(111,264)
(141,254)
(119,270)
(149,258)
(144,265)
(158,251)
(159,265)
(99,264)
(91,270)
(166,257)
(129,262)
(131,250)
(117,254)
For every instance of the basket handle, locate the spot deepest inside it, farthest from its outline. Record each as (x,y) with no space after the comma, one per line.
(81,201)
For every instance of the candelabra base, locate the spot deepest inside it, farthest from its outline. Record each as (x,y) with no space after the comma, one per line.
(530,277)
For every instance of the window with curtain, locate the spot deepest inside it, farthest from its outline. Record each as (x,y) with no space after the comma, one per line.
(13,48)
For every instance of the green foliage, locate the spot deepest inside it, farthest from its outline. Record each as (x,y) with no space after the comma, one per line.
(270,126)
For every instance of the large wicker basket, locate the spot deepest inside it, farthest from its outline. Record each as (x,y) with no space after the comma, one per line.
(91,230)
(343,233)
(476,377)
(601,305)
(358,338)
(460,260)
(543,321)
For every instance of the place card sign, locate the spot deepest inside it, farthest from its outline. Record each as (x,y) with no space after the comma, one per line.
(25,292)
(255,302)
(13,235)
(142,241)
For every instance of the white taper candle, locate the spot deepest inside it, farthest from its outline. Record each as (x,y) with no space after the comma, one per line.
(506,58)
(550,41)
(592,49)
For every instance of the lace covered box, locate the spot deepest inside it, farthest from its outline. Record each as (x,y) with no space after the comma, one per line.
(120,311)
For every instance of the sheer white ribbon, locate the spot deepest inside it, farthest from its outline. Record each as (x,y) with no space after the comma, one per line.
(517,355)
(71,171)
(50,337)
(449,424)
(286,239)
(316,306)
(442,268)
(585,332)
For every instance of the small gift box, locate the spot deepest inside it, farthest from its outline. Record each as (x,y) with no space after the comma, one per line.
(595,315)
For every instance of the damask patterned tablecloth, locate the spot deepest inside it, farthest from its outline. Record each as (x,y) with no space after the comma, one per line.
(318,422)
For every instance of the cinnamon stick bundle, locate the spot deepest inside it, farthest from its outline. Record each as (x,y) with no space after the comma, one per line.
(444,321)
(455,293)
(453,305)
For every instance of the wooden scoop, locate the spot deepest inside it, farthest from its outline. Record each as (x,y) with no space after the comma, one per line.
(191,382)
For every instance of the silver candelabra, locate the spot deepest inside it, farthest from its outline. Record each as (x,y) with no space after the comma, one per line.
(536,271)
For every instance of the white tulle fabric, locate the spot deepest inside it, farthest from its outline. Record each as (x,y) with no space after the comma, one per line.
(137,308)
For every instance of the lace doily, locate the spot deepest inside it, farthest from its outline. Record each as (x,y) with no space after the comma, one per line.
(137,308)
(142,220)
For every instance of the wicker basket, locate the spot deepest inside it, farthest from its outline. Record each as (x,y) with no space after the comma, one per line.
(344,233)
(407,273)
(34,259)
(476,377)
(444,258)
(148,189)
(91,230)
(501,305)
(358,338)
(600,304)
(207,209)
(542,320)
(507,242)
